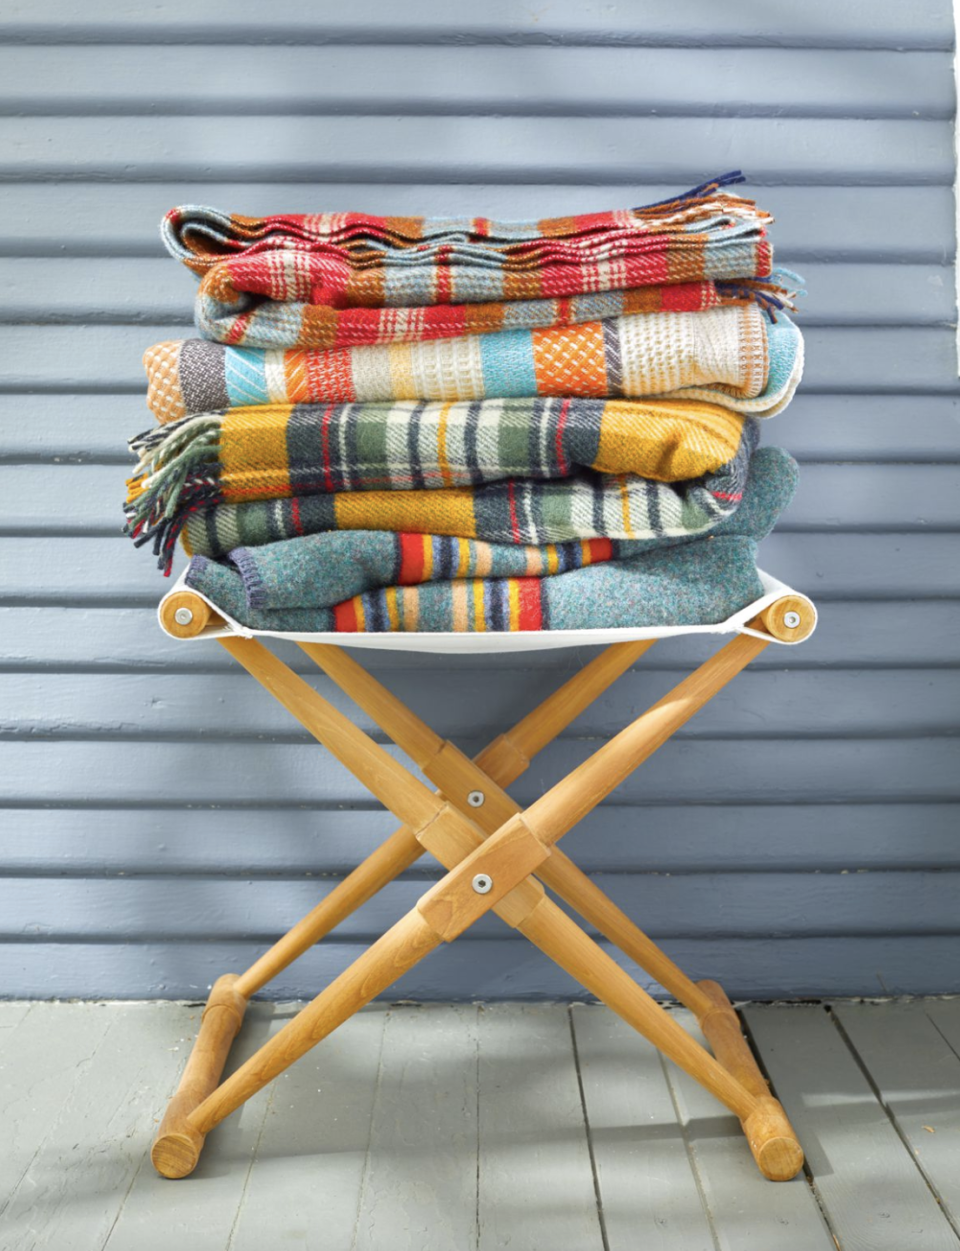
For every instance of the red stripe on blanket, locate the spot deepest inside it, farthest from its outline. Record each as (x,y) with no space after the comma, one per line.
(514,523)
(411,559)
(530,616)
(345,617)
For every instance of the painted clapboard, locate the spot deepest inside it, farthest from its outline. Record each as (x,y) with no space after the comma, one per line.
(800,838)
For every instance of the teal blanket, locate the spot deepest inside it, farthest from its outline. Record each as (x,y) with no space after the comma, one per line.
(341,582)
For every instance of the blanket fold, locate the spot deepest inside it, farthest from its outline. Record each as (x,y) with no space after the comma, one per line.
(586,505)
(275,451)
(731,355)
(239,318)
(352,259)
(697,582)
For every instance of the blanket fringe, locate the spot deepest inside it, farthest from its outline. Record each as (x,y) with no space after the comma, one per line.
(175,475)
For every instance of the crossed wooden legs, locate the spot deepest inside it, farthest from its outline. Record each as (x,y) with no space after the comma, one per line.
(492,850)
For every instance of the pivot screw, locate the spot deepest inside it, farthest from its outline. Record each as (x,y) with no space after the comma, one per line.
(483,883)
(791,620)
(183,616)
(475,799)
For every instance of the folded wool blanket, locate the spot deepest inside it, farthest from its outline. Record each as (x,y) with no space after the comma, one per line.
(242,319)
(282,450)
(322,570)
(586,505)
(701,582)
(732,356)
(356,260)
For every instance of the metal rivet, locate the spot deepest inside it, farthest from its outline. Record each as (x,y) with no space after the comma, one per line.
(483,884)
(183,616)
(791,620)
(475,799)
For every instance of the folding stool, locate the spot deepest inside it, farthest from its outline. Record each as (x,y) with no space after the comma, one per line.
(498,858)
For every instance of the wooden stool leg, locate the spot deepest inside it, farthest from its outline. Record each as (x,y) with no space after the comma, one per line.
(179,1143)
(379,869)
(457,776)
(769,1134)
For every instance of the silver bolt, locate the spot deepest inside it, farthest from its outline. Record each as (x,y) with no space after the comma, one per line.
(791,620)
(483,884)
(475,799)
(183,616)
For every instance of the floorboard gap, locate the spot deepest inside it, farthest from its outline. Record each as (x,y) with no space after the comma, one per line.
(868,1077)
(586,1125)
(807,1171)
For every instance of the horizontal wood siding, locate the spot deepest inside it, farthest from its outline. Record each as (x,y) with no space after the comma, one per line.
(162,819)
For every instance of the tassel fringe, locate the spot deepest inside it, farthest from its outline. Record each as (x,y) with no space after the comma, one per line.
(176,474)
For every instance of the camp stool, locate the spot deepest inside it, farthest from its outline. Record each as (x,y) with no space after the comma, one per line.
(498,857)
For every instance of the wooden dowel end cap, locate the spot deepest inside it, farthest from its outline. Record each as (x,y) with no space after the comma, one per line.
(185,615)
(175,1153)
(790,619)
(772,1141)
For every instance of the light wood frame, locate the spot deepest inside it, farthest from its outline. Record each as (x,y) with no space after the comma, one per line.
(498,858)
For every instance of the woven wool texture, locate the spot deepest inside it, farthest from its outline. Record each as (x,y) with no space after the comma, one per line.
(245,320)
(281,450)
(699,582)
(520,510)
(723,356)
(353,259)
(322,570)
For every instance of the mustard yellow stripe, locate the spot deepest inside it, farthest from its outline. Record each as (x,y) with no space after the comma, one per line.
(463,561)
(553,559)
(392,608)
(625,502)
(361,615)
(253,450)
(479,620)
(427,558)
(419,512)
(666,440)
(443,463)
(400,363)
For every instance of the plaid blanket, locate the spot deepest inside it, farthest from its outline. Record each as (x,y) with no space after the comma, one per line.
(242,319)
(699,582)
(283,450)
(586,505)
(723,355)
(357,260)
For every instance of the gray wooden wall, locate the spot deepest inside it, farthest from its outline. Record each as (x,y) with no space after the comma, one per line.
(163,819)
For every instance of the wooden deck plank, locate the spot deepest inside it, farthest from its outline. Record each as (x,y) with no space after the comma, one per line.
(69,1197)
(12,1013)
(871,1189)
(199,1213)
(748,1212)
(918,1076)
(44,1064)
(945,1014)
(649,1192)
(419,1187)
(536,1185)
(310,1159)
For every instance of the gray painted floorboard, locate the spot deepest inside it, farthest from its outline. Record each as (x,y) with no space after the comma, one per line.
(470,1127)
(868,1183)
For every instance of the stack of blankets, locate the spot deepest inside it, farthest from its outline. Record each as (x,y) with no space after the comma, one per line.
(452,424)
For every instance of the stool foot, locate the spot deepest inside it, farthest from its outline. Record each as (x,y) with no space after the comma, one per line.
(770,1135)
(177,1146)
(772,1141)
